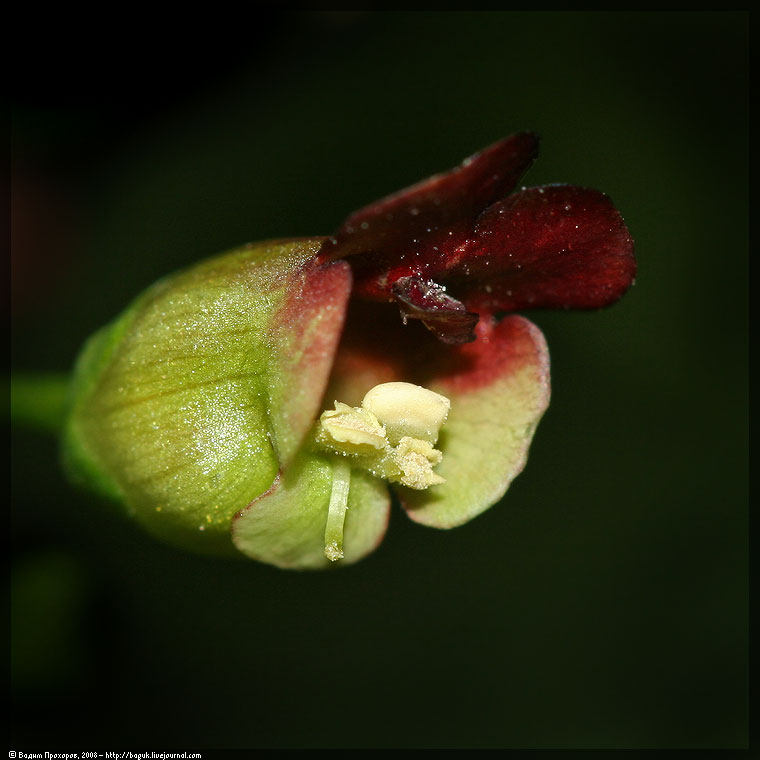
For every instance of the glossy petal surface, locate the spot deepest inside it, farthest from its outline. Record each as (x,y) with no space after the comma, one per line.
(286,525)
(549,247)
(420,230)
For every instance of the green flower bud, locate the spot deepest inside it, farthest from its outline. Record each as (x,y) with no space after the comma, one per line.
(187,406)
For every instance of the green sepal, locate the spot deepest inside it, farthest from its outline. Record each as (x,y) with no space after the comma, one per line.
(186,407)
(80,465)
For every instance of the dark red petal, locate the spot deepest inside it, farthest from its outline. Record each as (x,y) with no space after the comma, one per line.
(443,315)
(420,230)
(551,247)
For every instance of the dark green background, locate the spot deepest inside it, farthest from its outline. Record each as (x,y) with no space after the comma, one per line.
(603,603)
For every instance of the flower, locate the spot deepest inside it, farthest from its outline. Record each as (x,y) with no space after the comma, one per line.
(202,408)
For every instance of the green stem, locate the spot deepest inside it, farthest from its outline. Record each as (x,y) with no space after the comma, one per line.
(39,400)
(336,513)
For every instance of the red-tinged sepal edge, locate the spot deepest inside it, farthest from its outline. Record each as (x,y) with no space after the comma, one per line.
(545,247)
(306,332)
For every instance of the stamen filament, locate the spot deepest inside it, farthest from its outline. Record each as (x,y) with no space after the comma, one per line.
(336,513)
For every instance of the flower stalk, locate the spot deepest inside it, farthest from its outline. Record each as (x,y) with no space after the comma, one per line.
(39,400)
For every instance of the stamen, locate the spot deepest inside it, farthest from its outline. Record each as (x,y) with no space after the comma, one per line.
(336,513)
(391,436)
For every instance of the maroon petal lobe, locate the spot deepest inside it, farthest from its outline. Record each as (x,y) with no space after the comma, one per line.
(550,247)
(444,316)
(421,230)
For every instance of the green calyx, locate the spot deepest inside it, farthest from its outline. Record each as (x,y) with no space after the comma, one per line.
(185,408)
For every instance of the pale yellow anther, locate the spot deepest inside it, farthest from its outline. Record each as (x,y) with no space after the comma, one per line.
(354,428)
(407,410)
(390,436)
(416,459)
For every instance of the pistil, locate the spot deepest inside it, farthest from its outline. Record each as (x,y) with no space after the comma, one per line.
(336,513)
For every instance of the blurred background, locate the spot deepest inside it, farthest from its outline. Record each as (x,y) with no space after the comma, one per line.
(603,603)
